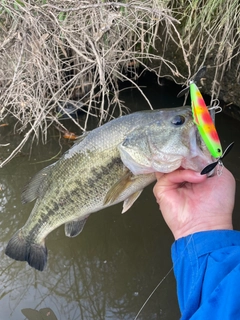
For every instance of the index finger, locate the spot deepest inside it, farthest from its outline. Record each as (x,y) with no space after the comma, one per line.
(180,176)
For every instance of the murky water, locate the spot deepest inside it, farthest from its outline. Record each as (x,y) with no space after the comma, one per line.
(111,268)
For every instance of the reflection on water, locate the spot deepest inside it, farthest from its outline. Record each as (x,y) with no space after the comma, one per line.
(42,314)
(109,270)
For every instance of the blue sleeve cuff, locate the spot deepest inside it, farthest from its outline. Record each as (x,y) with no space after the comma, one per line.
(205,242)
(205,264)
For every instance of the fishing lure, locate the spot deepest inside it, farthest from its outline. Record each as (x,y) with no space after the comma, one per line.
(202,117)
(204,122)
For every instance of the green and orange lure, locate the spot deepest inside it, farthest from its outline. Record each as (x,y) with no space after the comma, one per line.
(204,122)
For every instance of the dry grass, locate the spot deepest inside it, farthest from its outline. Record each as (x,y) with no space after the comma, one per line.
(53,52)
(211,32)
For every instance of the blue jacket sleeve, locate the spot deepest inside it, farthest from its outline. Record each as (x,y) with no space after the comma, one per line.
(207,270)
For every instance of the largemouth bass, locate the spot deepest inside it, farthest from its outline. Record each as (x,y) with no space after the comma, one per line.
(109,164)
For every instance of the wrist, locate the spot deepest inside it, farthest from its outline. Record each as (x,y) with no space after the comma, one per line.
(186,230)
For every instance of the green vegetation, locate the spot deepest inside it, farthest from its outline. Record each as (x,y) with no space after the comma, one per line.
(55,52)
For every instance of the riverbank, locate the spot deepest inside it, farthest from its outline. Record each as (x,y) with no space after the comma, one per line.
(57,53)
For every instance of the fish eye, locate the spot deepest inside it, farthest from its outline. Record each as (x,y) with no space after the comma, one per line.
(178,120)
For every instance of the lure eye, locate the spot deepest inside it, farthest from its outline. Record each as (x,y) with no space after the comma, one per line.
(178,120)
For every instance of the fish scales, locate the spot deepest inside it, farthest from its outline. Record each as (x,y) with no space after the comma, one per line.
(110,164)
(84,192)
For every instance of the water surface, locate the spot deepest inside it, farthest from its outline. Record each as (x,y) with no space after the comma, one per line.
(111,268)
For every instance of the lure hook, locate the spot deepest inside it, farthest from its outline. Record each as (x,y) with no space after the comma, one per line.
(211,166)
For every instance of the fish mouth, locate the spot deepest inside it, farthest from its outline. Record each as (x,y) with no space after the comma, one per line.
(200,155)
(148,155)
(197,158)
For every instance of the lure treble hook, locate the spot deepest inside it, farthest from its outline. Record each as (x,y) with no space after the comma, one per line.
(211,166)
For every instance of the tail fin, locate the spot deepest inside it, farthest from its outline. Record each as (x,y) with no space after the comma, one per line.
(18,248)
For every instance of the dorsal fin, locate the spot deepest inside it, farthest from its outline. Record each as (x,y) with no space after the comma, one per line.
(33,190)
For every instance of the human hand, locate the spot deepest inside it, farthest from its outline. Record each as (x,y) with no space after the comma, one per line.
(191,202)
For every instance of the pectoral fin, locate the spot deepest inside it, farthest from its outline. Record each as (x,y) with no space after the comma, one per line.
(122,184)
(74,228)
(130,201)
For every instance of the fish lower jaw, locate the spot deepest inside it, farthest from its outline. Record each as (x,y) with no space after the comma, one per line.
(164,167)
(197,163)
